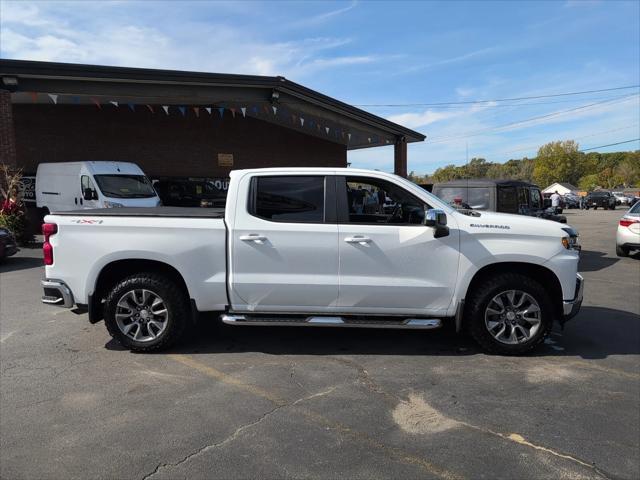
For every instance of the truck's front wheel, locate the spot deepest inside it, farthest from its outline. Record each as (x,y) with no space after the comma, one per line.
(509,314)
(146,312)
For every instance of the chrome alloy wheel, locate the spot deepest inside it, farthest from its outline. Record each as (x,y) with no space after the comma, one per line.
(141,315)
(513,317)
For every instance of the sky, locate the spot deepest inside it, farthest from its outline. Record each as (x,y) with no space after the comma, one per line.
(394,59)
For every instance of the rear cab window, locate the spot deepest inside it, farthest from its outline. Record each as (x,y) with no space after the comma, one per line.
(289,198)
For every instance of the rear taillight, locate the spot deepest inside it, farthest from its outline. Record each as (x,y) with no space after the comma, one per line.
(48,229)
(625,222)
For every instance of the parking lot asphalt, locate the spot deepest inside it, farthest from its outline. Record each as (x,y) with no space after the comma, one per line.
(247,402)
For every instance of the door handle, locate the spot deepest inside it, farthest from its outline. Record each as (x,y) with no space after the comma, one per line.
(361,239)
(253,237)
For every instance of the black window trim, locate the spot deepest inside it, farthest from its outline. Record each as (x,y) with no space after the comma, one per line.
(329,214)
(342,203)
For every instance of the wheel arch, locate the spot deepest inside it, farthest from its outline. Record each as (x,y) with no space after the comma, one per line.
(543,275)
(113,272)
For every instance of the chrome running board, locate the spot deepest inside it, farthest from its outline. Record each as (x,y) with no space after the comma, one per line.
(302,321)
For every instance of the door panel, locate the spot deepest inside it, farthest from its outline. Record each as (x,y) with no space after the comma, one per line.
(401,268)
(285,262)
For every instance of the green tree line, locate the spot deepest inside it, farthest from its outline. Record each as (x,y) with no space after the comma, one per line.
(560,161)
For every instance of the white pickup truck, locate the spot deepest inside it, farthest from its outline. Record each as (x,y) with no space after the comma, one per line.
(315,247)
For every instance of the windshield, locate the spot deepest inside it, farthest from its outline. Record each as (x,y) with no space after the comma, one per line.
(635,208)
(476,197)
(125,186)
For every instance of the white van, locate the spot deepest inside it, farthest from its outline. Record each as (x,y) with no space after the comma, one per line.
(68,186)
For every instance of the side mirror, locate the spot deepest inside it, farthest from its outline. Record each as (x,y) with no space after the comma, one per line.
(90,194)
(546,203)
(437,219)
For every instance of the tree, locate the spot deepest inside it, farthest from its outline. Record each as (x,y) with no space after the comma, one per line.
(557,162)
(629,171)
(589,183)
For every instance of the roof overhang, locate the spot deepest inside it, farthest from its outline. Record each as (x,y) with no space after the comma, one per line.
(273,99)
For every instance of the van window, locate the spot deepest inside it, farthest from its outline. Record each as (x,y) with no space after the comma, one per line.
(85,182)
(536,200)
(476,197)
(293,199)
(125,186)
(507,200)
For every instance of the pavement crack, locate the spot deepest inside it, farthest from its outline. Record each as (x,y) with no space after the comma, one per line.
(519,439)
(366,379)
(235,434)
(206,448)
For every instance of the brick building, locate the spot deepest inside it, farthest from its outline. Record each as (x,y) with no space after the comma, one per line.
(178,124)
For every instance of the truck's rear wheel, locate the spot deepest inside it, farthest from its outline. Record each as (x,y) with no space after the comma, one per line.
(509,314)
(146,312)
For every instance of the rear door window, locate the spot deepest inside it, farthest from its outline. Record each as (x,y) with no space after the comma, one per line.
(293,199)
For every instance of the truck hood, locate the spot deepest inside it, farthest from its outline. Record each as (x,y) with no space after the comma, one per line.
(509,224)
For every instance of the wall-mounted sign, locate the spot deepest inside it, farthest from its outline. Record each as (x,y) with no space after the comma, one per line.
(28,187)
(225,159)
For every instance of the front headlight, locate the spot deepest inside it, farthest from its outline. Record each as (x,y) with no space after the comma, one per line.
(570,242)
(108,204)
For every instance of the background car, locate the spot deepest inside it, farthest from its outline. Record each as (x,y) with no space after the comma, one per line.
(506,196)
(8,244)
(622,199)
(571,201)
(190,192)
(600,198)
(628,234)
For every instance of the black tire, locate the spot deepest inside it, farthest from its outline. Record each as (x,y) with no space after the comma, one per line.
(479,299)
(175,301)
(621,251)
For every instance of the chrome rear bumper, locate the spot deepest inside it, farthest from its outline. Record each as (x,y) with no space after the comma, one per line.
(57,293)
(572,307)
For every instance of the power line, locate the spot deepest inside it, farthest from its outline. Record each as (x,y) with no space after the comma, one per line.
(469,102)
(450,138)
(595,134)
(522,104)
(609,145)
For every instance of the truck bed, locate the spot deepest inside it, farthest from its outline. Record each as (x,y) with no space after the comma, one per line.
(175,212)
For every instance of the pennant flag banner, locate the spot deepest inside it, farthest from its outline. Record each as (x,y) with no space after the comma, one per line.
(196,110)
(96,102)
(114,103)
(275,110)
(301,122)
(54,98)
(34,96)
(208,109)
(183,111)
(131,106)
(150,108)
(326,130)
(255,110)
(349,136)
(369,138)
(266,109)
(244,111)
(294,118)
(221,112)
(233,112)
(166,109)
